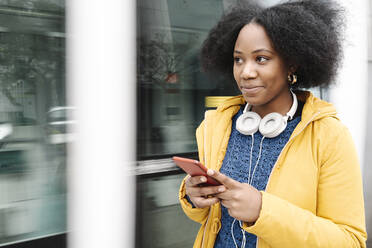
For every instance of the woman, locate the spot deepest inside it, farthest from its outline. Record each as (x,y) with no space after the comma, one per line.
(289,179)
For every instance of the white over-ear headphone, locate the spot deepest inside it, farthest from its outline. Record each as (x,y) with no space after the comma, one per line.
(270,126)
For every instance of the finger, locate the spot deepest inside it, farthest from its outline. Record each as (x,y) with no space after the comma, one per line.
(226,195)
(204,191)
(211,190)
(193,181)
(225,180)
(201,202)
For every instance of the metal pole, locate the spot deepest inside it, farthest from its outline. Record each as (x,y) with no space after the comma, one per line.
(101,84)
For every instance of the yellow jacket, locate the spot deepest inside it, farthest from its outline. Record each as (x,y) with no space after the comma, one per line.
(314,196)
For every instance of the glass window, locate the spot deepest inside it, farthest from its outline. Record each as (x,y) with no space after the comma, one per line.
(160,220)
(171,86)
(32,86)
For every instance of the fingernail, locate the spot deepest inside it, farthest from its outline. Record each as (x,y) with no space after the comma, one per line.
(210,172)
(203,179)
(221,189)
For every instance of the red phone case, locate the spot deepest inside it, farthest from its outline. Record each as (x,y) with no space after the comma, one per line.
(195,168)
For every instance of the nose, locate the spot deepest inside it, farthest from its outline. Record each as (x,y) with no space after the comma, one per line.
(248,72)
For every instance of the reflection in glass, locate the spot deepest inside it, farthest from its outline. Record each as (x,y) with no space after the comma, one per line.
(172,92)
(171,86)
(32,82)
(162,222)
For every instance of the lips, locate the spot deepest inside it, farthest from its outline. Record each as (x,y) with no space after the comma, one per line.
(250,89)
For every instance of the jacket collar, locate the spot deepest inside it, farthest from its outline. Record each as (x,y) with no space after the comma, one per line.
(314,108)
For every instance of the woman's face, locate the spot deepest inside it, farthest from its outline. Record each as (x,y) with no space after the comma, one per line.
(259,71)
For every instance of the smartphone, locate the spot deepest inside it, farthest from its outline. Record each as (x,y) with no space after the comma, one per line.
(195,168)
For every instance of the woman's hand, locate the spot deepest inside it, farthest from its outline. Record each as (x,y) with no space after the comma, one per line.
(203,196)
(241,199)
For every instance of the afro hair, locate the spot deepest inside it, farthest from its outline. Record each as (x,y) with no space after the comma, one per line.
(307,34)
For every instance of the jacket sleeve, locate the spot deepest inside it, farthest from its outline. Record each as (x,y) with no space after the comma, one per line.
(339,220)
(196,214)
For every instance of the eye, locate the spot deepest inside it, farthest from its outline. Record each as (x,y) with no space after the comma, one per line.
(261,59)
(238,60)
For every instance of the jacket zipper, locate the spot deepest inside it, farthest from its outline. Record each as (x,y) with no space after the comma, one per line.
(280,154)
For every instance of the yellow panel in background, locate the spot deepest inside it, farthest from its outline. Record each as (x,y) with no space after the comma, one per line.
(214,101)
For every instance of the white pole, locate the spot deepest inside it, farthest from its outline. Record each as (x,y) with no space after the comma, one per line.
(350,95)
(101,65)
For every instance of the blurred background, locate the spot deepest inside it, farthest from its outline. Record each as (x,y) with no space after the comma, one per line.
(36,120)
(33,120)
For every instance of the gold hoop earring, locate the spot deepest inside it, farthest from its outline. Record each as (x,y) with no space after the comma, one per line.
(292,78)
